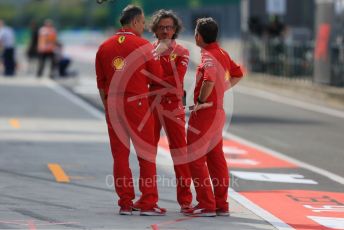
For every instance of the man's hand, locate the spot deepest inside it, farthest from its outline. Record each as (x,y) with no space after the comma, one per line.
(162,46)
(199,106)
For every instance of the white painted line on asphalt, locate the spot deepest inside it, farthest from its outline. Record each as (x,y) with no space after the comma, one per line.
(75,99)
(86,90)
(274,221)
(288,101)
(323,172)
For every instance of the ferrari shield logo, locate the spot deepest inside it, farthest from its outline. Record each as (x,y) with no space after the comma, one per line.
(121,39)
(173,56)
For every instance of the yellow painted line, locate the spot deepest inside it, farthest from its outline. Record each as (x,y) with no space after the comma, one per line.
(58,173)
(14,123)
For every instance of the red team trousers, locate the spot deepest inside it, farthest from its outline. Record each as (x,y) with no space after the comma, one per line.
(170,115)
(175,130)
(207,164)
(211,165)
(116,57)
(126,126)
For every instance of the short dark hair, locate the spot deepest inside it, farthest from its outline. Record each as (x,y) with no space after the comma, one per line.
(162,14)
(129,13)
(208,29)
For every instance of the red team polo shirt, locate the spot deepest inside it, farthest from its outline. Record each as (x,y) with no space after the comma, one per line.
(115,55)
(180,56)
(218,67)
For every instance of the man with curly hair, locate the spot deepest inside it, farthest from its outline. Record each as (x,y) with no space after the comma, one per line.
(168,96)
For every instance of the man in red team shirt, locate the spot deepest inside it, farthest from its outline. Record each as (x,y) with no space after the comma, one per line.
(124,58)
(216,73)
(169,112)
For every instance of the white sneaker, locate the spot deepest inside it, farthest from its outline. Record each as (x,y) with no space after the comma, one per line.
(126,211)
(199,212)
(156,211)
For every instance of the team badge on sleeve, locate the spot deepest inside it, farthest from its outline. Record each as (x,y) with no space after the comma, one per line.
(208,63)
(121,39)
(227,75)
(185,60)
(173,56)
(118,63)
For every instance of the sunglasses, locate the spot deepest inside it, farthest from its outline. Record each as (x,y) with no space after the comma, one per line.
(168,28)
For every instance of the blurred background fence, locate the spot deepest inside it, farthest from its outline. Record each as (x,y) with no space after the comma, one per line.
(294,59)
(279,37)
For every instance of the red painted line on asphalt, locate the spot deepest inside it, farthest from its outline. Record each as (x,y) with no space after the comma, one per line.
(31,225)
(299,208)
(245,157)
(155,227)
(302,209)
